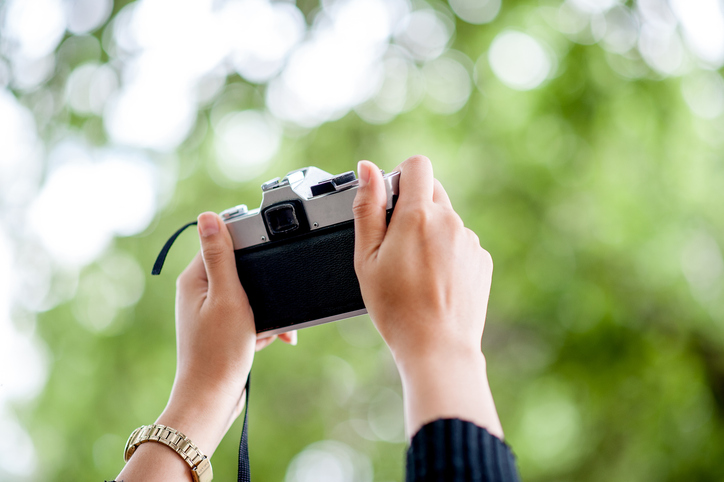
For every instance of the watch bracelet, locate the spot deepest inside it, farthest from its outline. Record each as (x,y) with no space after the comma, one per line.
(198,462)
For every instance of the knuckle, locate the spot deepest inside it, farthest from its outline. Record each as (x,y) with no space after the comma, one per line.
(363,207)
(214,254)
(412,161)
(473,236)
(453,220)
(357,260)
(181,282)
(438,185)
(183,279)
(360,207)
(418,159)
(419,215)
(487,259)
(360,264)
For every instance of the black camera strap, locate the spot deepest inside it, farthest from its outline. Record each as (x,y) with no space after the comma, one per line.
(244,472)
(166,247)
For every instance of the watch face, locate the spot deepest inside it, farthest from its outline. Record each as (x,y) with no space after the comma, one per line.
(130,447)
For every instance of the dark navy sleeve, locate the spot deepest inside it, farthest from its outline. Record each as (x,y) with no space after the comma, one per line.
(453,450)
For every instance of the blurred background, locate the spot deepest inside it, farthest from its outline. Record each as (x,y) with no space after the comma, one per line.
(583,140)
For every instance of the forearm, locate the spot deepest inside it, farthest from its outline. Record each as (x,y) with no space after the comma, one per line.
(453,385)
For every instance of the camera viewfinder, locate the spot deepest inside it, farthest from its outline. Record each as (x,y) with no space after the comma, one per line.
(282,219)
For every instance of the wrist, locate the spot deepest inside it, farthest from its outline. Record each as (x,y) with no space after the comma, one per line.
(440,358)
(202,415)
(448,385)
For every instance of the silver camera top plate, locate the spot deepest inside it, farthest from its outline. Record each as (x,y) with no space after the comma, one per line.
(248,229)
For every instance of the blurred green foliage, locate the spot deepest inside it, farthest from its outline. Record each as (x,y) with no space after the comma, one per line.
(594,194)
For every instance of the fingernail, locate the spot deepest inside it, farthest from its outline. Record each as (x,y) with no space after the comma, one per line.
(294,338)
(208,224)
(363,171)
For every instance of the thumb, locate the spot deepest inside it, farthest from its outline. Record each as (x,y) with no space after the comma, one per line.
(370,211)
(217,250)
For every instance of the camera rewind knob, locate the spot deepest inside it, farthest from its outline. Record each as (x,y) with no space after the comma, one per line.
(269,185)
(234,212)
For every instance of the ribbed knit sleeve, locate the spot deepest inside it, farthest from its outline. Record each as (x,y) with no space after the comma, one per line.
(453,450)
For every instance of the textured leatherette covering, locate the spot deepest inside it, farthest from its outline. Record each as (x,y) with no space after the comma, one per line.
(302,279)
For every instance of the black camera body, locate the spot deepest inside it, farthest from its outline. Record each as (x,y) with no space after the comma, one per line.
(295,254)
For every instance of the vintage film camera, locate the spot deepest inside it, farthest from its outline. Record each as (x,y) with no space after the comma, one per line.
(295,254)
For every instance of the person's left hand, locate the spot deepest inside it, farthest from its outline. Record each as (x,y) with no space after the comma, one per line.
(216,337)
(216,340)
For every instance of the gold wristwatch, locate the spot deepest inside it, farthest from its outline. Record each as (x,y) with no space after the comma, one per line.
(199,463)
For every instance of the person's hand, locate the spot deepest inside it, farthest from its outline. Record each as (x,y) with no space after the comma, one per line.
(425,281)
(216,340)
(215,333)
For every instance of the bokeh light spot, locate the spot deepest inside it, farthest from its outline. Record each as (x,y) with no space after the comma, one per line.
(21,151)
(401,89)
(85,202)
(89,87)
(703,25)
(519,60)
(704,93)
(703,266)
(329,461)
(593,6)
(385,416)
(448,85)
(476,11)
(261,35)
(36,27)
(87,15)
(426,34)
(621,30)
(245,143)
(156,113)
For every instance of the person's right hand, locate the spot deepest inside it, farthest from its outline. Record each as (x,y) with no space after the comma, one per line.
(425,281)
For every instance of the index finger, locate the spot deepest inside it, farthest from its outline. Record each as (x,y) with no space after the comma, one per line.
(416,180)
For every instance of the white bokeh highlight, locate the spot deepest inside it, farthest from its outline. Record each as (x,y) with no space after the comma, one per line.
(89,87)
(662,49)
(245,143)
(401,89)
(329,461)
(23,371)
(622,30)
(115,282)
(593,6)
(448,85)
(87,15)
(476,11)
(20,162)
(425,33)
(151,113)
(33,34)
(704,93)
(86,201)
(261,36)
(703,25)
(519,60)
(338,67)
